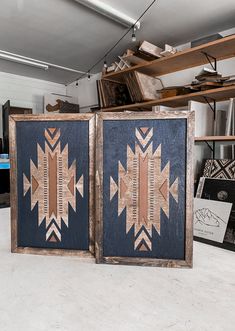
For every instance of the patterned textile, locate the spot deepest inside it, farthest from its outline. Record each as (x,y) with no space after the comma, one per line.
(224,169)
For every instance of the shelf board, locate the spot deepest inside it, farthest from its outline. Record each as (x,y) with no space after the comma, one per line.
(220,49)
(218,94)
(215,138)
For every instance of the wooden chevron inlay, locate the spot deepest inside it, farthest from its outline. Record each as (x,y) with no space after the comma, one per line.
(53,184)
(143,189)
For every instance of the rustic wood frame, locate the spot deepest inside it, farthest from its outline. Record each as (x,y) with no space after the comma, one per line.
(13,184)
(188,261)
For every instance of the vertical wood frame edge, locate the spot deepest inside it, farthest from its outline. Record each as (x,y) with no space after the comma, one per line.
(13,182)
(189,190)
(99,189)
(92,134)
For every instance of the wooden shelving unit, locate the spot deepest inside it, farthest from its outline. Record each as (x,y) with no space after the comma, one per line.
(220,49)
(217,94)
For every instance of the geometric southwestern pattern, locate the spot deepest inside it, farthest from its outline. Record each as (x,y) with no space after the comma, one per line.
(144,189)
(224,169)
(53,185)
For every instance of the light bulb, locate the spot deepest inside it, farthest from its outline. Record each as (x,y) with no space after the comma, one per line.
(133,37)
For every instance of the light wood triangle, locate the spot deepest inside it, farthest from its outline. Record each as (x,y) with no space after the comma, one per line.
(144,130)
(52,130)
(163,189)
(71,185)
(34,184)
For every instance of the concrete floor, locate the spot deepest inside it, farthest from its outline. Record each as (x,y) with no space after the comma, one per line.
(40,293)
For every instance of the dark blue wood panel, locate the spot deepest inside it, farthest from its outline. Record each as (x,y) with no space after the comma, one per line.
(171,134)
(76,135)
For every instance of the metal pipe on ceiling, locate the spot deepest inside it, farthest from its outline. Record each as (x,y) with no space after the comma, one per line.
(110,12)
(33,62)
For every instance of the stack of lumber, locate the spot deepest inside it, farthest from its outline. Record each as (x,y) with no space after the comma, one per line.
(141,87)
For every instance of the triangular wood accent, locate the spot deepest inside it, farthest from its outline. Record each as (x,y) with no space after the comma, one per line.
(144,140)
(27,184)
(143,248)
(52,140)
(174,189)
(52,130)
(144,130)
(163,189)
(143,239)
(113,188)
(80,186)
(71,185)
(52,230)
(53,239)
(35,184)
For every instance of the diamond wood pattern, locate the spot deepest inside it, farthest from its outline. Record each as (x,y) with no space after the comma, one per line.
(53,184)
(143,189)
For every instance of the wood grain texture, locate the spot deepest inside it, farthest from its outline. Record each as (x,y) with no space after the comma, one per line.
(92,137)
(13,182)
(54,252)
(14,200)
(191,57)
(214,138)
(99,190)
(189,190)
(53,117)
(218,94)
(146,262)
(100,258)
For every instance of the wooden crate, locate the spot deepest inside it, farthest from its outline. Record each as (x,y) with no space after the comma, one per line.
(144,188)
(52,181)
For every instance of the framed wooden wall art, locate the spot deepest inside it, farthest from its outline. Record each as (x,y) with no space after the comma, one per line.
(52,184)
(144,188)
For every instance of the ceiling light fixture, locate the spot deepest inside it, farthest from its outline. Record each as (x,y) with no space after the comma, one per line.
(110,12)
(23,61)
(33,62)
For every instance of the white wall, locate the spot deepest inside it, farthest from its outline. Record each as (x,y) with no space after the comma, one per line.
(25,92)
(86,92)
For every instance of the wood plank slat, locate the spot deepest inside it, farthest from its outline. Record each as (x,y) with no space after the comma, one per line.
(218,94)
(215,138)
(220,49)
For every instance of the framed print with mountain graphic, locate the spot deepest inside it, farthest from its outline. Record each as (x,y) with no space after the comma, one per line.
(211,219)
(52,172)
(144,188)
(220,191)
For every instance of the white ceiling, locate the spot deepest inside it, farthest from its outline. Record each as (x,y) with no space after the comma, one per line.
(68,34)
